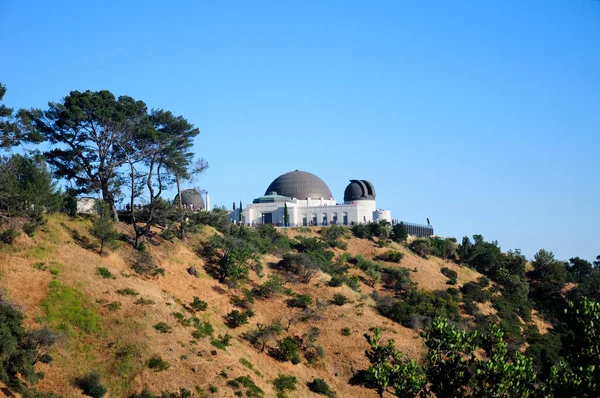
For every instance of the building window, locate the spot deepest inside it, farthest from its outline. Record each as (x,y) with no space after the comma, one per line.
(314,219)
(324,219)
(334,219)
(304,220)
(345,218)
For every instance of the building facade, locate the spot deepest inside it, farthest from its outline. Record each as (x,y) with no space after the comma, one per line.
(308,201)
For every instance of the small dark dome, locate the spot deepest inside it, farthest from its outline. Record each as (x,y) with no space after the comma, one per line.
(359,190)
(300,185)
(190,197)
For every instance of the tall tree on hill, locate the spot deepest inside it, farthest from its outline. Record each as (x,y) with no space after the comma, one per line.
(240,213)
(12,131)
(286,215)
(91,132)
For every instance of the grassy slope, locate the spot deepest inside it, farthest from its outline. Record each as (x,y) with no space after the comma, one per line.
(129,329)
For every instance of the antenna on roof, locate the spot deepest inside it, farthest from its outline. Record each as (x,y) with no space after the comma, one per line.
(428,221)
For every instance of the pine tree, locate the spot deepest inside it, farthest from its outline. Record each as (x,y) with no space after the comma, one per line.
(104,226)
(286,215)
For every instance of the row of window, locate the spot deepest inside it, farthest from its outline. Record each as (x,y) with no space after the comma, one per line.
(324,221)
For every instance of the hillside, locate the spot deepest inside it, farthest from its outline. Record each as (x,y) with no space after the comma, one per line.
(54,280)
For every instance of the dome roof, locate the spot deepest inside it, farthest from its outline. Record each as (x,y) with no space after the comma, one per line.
(190,197)
(300,185)
(359,190)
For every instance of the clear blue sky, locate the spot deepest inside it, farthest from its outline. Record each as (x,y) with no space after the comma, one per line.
(483,116)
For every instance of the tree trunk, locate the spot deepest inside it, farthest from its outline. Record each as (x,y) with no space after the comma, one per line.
(181,226)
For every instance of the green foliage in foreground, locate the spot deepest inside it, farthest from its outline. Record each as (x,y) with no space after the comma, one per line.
(451,368)
(20,351)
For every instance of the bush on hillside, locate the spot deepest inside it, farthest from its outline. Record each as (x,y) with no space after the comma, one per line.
(288,350)
(391,256)
(421,247)
(90,385)
(300,301)
(320,386)
(451,275)
(236,319)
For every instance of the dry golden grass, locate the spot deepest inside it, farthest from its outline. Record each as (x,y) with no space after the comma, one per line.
(192,364)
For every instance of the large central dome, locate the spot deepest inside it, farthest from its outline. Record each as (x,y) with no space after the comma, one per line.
(300,185)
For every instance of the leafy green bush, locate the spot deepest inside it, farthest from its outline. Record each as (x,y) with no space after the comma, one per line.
(163,327)
(399,233)
(420,247)
(274,286)
(346,331)
(320,386)
(157,364)
(283,384)
(114,306)
(288,350)
(104,272)
(127,292)
(221,342)
(236,319)
(473,292)
(392,256)
(450,274)
(336,281)
(203,329)
(143,301)
(300,301)
(340,299)
(9,236)
(90,385)
(198,305)
(443,248)
(252,390)
(300,264)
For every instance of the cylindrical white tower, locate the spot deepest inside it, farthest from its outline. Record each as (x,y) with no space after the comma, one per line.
(207,201)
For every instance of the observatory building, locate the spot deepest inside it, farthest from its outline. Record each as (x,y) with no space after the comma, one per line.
(309,201)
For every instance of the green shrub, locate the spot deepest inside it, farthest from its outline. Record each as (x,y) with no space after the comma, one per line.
(391,256)
(336,281)
(198,305)
(272,287)
(127,292)
(236,318)
(399,233)
(9,236)
(90,385)
(473,292)
(420,247)
(114,306)
(143,301)
(157,364)
(300,301)
(320,386)
(483,281)
(213,389)
(252,390)
(283,384)
(203,329)
(288,350)
(163,327)
(340,299)
(221,342)
(451,275)
(346,331)
(104,272)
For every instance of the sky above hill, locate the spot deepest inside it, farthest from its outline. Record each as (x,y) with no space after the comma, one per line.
(483,116)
